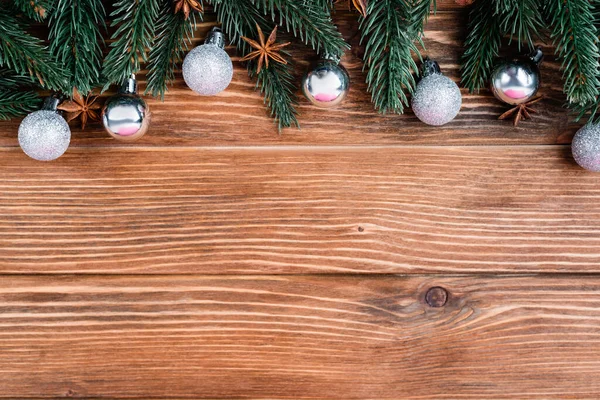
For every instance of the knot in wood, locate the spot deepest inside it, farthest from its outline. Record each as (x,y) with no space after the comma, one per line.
(436,296)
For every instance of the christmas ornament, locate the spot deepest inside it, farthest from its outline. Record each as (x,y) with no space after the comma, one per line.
(516,82)
(586,147)
(265,50)
(187,6)
(437,99)
(84,108)
(327,84)
(126,115)
(45,135)
(207,69)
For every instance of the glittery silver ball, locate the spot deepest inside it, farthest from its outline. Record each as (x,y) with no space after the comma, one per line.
(586,147)
(126,116)
(207,69)
(436,100)
(44,135)
(326,85)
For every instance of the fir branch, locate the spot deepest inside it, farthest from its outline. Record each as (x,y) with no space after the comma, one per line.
(521,19)
(388,54)
(313,25)
(174,34)
(26,55)
(136,21)
(75,41)
(17,96)
(276,83)
(35,9)
(482,45)
(576,39)
(419,15)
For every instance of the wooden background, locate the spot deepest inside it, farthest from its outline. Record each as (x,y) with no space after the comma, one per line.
(218,259)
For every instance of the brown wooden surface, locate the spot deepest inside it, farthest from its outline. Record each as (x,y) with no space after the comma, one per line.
(218,259)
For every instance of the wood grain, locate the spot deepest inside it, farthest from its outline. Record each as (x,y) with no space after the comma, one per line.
(299,337)
(299,210)
(237,117)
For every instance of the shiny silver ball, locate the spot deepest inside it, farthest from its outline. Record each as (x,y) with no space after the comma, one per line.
(586,147)
(44,135)
(126,116)
(327,84)
(518,80)
(207,69)
(436,100)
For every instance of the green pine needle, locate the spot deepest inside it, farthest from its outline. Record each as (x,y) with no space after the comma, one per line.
(174,35)
(276,83)
(482,45)
(576,41)
(26,54)
(35,9)
(75,41)
(313,25)
(389,54)
(136,22)
(521,20)
(17,96)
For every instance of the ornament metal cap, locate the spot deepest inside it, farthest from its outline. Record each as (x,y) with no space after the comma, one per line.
(430,67)
(327,57)
(537,55)
(130,86)
(216,37)
(51,103)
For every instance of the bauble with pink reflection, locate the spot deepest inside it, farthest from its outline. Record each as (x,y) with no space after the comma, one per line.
(516,81)
(327,84)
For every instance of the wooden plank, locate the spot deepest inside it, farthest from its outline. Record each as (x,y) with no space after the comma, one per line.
(299,210)
(238,117)
(299,337)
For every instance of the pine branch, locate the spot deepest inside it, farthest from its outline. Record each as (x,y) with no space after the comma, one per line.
(17,96)
(482,45)
(388,54)
(521,19)
(75,41)
(136,21)
(34,9)
(419,15)
(26,55)
(576,39)
(276,83)
(174,34)
(313,25)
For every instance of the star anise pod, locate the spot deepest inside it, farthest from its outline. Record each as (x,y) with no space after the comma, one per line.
(265,49)
(85,108)
(360,5)
(187,6)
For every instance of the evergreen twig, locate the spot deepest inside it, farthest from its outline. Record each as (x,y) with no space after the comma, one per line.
(482,45)
(313,25)
(75,41)
(388,54)
(136,21)
(35,9)
(174,34)
(521,19)
(276,83)
(17,96)
(26,54)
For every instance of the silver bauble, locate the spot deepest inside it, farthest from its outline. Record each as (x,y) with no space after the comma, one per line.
(45,135)
(586,147)
(437,99)
(517,81)
(126,115)
(327,84)
(207,69)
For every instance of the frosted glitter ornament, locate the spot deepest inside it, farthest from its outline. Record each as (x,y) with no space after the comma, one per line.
(126,115)
(45,135)
(516,81)
(437,99)
(327,84)
(207,69)
(586,147)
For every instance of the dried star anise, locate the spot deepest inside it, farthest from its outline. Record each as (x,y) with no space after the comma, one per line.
(85,108)
(265,49)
